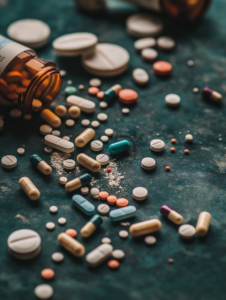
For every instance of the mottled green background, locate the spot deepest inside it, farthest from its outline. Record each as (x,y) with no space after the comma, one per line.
(195,183)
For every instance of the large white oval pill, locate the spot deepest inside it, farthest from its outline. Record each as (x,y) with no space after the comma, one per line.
(140,76)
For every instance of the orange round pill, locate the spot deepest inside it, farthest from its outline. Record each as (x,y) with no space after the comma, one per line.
(93,90)
(172,149)
(113,264)
(103,195)
(173,140)
(121,202)
(162,68)
(128,96)
(71,232)
(167,168)
(186,151)
(100,95)
(111,199)
(47,273)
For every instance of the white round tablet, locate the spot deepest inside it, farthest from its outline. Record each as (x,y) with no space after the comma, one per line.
(50,225)
(30,32)
(69,164)
(109,132)
(123,234)
(141,44)
(150,240)
(62,221)
(48,149)
(157,145)
(27,117)
(96,145)
(189,138)
(106,240)
(104,138)
(148,163)
(140,193)
(84,190)
(56,132)
(102,117)
(103,104)
(144,25)
(53,209)
(125,111)
(95,192)
(63,180)
(67,138)
(75,43)
(85,122)
(106,60)
(57,257)
(95,124)
(172,100)
(103,159)
(95,82)
(70,122)
(165,43)
(9,162)
(15,113)
(43,291)
(1,124)
(187,231)
(190,63)
(45,129)
(69,82)
(103,209)
(140,76)
(118,254)
(21,151)
(63,73)
(149,54)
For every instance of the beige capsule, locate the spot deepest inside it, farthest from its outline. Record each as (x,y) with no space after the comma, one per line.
(87,229)
(74,184)
(88,162)
(203,223)
(72,245)
(175,217)
(145,227)
(51,118)
(86,136)
(29,188)
(44,167)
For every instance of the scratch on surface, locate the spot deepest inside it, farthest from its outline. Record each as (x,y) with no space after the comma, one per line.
(24,220)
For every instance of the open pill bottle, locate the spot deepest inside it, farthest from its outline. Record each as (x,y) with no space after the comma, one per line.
(25,79)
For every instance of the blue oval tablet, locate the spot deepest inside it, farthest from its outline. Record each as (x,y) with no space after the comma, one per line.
(119,147)
(123,213)
(84,205)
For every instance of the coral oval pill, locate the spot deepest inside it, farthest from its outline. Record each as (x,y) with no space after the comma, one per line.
(119,147)
(122,213)
(84,205)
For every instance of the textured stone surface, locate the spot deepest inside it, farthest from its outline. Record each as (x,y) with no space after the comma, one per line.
(196,182)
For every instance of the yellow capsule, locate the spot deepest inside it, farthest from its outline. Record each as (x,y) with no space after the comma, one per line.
(44,167)
(51,118)
(72,245)
(88,229)
(88,162)
(145,227)
(29,188)
(203,223)
(175,217)
(86,136)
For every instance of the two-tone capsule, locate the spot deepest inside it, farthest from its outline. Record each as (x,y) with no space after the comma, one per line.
(145,227)
(40,164)
(112,93)
(91,226)
(119,147)
(78,182)
(88,162)
(171,214)
(211,95)
(203,223)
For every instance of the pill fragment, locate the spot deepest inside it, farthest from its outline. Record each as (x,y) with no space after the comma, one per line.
(188,138)
(171,214)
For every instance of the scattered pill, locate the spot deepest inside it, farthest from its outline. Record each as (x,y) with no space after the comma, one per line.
(103,195)
(150,240)
(91,226)
(186,151)
(9,162)
(162,68)
(173,140)
(109,132)
(148,163)
(96,145)
(170,260)
(70,90)
(111,94)
(122,213)
(190,63)
(15,113)
(143,43)
(45,129)
(172,149)
(111,200)
(119,147)
(188,138)
(71,232)
(103,159)
(95,193)
(113,264)
(157,145)
(84,190)
(123,234)
(104,139)
(56,132)
(171,214)
(76,183)
(165,43)
(85,122)
(71,244)
(84,205)
(99,254)
(140,193)
(93,90)
(85,137)
(60,111)
(167,168)
(21,151)
(149,54)
(145,227)
(109,170)
(40,164)
(140,76)
(88,162)
(203,223)
(48,149)
(172,100)
(95,124)
(118,254)
(95,82)
(50,225)
(74,112)
(102,117)
(27,117)
(103,209)
(106,240)
(70,122)
(211,95)
(121,202)
(62,221)
(36,104)
(51,118)
(58,143)
(85,105)
(43,291)
(187,231)
(103,104)
(81,87)
(100,95)
(125,111)
(69,164)
(57,257)
(195,90)
(128,96)
(63,73)
(53,209)
(66,138)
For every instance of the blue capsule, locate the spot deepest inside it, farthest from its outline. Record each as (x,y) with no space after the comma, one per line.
(84,205)
(119,147)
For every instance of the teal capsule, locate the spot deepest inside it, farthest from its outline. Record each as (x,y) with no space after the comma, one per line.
(119,147)
(78,182)
(91,226)
(40,164)
(112,93)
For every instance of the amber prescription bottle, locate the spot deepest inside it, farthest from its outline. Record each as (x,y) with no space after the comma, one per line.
(25,79)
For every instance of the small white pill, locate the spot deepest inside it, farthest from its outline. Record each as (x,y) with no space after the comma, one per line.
(118,254)
(172,100)
(69,164)
(96,145)
(140,76)
(125,111)
(165,43)
(123,234)
(85,122)
(150,240)
(143,43)
(95,82)
(21,151)
(95,124)
(27,117)
(63,73)
(63,180)
(56,132)
(188,138)
(106,240)
(102,117)
(66,138)
(9,162)
(103,159)
(149,54)
(140,193)
(48,149)
(15,113)
(84,190)
(45,129)
(109,132)
(195,90)
(187,231)
(157,145)
(57,257)
(103,104)
(50,225)
(69,82)
(103,209)
(53,209)
(70,122)
(1,124)
(148,163)
(190,63)
(62,221)
(94,192)
(104,138)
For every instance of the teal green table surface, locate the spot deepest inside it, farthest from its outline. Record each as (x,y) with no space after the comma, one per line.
(195,183)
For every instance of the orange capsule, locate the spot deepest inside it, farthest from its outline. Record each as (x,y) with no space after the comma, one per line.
(173,140)
(93,90)
(111,199)
(167,168)
(172,149)
(113,264)
(47,273)
(71,232)
(100,95)
(121,202)
(103,195)
(13,76)
(162,68)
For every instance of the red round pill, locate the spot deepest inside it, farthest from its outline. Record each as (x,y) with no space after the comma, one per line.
(186,151)
(167,168)
(109,170)
(172,149)
(173,140)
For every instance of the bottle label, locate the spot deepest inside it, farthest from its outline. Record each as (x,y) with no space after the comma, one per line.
(8,51)
(150,4)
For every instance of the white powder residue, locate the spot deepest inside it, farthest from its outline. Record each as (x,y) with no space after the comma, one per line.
(56,160)
(24,220)
(114,177)
(5,189)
